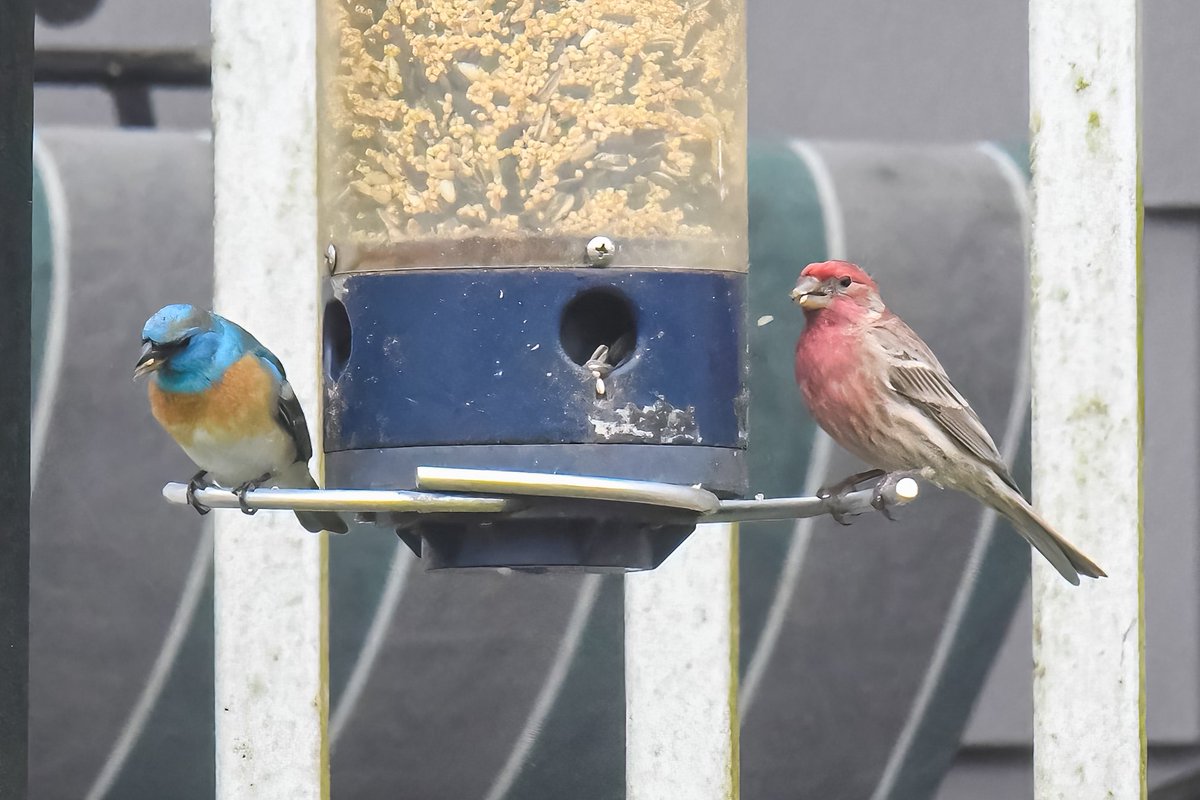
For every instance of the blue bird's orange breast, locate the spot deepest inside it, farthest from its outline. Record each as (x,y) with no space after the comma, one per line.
(238,406)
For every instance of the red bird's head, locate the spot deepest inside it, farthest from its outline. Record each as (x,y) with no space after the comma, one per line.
(834,283)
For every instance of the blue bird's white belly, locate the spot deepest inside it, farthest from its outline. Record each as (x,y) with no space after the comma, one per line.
(232,428)
(231,462)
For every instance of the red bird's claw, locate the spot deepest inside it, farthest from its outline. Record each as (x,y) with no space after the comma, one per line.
(835,493)
(879,502)
(879,498)
(850,484)
(836,507)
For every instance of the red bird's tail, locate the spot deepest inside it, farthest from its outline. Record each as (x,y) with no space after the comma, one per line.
(1065,557)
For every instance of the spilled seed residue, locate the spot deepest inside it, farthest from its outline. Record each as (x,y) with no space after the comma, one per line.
(660,423)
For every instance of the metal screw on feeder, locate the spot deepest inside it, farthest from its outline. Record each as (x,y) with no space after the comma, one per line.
(331,258)
(600,252)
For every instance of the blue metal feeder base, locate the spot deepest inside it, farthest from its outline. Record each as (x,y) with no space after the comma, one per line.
(634,374)
(566,545)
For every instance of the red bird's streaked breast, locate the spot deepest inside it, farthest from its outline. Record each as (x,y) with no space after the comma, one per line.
(838,377)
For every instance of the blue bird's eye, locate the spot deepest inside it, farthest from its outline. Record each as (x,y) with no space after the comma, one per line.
(174,346)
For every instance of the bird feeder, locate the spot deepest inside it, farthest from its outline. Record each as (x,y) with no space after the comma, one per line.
(535,221)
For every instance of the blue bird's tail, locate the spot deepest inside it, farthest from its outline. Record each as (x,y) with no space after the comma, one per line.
(317,521)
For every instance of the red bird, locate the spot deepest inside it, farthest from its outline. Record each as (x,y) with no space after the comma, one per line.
(879,391)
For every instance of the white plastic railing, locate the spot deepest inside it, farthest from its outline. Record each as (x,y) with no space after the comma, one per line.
(1089,737)
(271,673)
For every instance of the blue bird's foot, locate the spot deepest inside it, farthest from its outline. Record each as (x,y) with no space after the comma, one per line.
(836,492)
(241,490)
(198,481)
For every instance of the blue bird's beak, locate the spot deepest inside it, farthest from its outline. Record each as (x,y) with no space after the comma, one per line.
(151,359)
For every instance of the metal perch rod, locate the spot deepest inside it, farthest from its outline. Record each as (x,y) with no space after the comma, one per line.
(347,500)
(504,492)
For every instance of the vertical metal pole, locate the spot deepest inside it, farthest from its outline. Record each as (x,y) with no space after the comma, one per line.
(16,193)
(681,658)
(1089,734)
(271,638)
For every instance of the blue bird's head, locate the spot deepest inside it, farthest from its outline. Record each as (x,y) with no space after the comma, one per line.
(187,348)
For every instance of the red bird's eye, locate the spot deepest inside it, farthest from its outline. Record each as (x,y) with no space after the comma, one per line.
(845,281)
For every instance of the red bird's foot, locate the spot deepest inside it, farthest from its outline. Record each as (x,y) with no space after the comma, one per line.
(198,481)
(881,500)
(241,490)
(835,493)
(849,484)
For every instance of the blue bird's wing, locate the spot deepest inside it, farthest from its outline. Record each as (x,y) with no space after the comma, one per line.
(291,417)
(287,408)
(288,411)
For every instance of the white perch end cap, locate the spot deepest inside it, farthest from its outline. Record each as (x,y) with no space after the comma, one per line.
(907,489)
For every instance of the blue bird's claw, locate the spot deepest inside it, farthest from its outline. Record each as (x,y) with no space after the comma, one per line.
(241,490)
(198,481)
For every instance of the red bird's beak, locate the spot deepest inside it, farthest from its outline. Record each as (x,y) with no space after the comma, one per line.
(810,293)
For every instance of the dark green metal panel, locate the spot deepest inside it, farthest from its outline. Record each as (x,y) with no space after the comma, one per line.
(16,143)
(976,639)
(358,571)
(1018,151)
(580,747)
(899,623)
(786,233)
(175,757)
(106,611)
(498,635)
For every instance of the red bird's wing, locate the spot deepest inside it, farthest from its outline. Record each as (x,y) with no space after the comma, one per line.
(915,373)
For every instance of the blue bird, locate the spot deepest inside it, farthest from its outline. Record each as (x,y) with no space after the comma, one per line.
(226,401)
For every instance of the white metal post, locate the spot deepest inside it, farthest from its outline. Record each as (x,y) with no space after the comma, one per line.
(271,660)
(681,659)
(1089,735)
